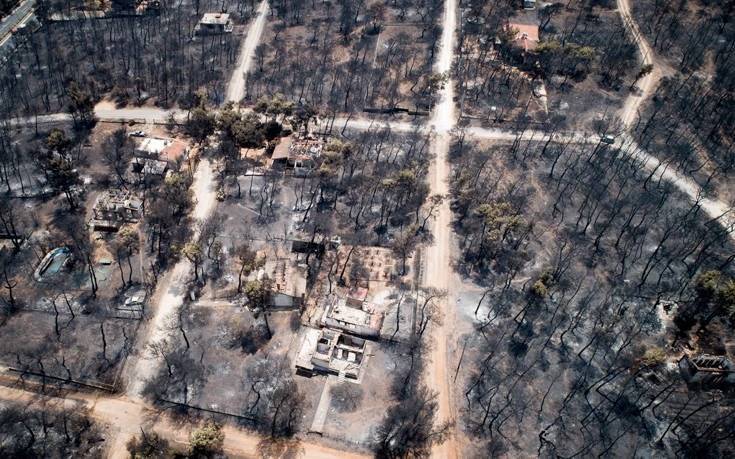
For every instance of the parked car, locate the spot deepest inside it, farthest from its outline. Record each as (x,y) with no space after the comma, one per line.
(608,139)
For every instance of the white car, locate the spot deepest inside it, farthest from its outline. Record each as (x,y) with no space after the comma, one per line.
(608,139)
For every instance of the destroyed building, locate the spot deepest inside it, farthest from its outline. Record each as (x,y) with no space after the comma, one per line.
(289,283)
(154,157)
(214,24)
(169,150)
(332,352)
(709,370)
(148,167)
(113,209)
(351,316)
(299,154)
(288,275)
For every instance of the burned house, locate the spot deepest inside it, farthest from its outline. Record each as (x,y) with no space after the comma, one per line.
(308,248)
(169,150)
(148,167)
(297,154)
(526,35)
(332,352)
(289,283)
(154,156)
(708,370)
(352,316)
(214,24)
(287,275)
(113,209)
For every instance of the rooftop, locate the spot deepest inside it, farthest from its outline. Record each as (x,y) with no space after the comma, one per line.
(166,149)
(527,35)
(148,166)
(215,18)
(340,311)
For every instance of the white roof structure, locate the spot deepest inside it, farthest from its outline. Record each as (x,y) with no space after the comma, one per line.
(215,18)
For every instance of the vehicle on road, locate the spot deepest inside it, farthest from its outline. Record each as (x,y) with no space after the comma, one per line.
(608,139)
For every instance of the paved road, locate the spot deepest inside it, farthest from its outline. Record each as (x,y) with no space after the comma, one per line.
(14,18)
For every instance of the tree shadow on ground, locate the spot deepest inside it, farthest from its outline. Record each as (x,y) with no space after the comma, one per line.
(282,448)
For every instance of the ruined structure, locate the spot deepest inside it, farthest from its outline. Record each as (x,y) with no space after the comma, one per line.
(214,24)
(113,209)
(289,282)
(709,370)
(359,320)
(299,154)
(332,352)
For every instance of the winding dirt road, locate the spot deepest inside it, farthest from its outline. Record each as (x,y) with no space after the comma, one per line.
(647,84)
(714,208)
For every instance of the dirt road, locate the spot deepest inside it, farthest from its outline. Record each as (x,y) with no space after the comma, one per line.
(236,88)
(714,208)
(126,417)
(438,269)
(172,287)
(646,85)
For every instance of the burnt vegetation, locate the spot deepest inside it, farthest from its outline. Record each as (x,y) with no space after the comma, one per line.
(348,55)
(133,56)
(577,252)
(579,51)
(689,121)
(48,432)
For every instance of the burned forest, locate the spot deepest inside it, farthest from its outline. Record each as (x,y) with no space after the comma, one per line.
(366,228)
